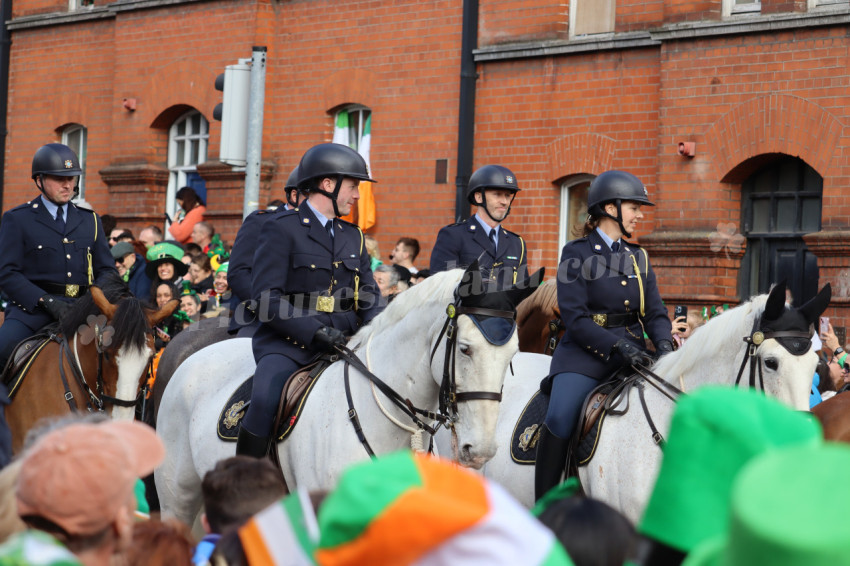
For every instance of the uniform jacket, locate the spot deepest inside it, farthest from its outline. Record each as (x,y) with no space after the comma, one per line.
(594,280)
(295,256)
(241,263)
(458,245)
(34,251)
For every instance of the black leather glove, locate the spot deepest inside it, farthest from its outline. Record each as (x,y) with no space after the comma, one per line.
(54,307)
(663,348)
(327,338)
(630,353)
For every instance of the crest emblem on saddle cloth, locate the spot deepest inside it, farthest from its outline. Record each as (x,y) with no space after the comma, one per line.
(528,438)
(234,414)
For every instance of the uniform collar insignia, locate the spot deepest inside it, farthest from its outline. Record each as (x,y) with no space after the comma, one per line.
(472,226)
(597,247)
(306,221)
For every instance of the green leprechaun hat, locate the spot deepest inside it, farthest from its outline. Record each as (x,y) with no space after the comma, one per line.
(788,508)
(714,433)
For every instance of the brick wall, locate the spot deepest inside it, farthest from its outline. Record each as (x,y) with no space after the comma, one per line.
(509,21)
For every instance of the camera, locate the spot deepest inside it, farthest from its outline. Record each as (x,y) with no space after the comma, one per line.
(680,310)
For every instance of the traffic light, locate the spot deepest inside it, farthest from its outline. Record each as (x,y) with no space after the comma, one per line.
(235,83)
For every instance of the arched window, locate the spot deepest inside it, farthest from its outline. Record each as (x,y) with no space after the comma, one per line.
(780,203)
(187,148)
(573,207)
(75,137)
(351,125)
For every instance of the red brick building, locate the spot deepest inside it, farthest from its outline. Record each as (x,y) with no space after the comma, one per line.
(757,91)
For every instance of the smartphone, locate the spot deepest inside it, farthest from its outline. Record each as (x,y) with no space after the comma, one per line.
(824,325)
(680,310)
(168,218)
(162,333)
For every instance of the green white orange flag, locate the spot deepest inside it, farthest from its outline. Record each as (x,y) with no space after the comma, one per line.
(285,533)
(366,211)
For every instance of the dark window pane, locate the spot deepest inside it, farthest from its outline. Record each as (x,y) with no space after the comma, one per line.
(789,175)
(761,215)
(754,247)
(812,181)
(811,215)
(786,215)
(763,183)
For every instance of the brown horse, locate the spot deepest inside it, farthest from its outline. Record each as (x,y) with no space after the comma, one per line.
(96,361)
(539,320)
(834,417)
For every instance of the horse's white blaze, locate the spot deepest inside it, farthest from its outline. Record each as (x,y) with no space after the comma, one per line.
(623,471)
(324,442)
(131,362)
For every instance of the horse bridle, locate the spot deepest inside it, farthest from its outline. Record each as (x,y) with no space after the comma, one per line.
(449,397)
(754,341)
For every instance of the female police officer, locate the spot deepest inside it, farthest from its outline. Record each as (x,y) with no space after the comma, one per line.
(607,296)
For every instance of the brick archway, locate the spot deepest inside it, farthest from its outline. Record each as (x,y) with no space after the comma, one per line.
(349,86)
(776,123)
(580,153)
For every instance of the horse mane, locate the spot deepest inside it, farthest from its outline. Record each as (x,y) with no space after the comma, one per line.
(438,288)
(722,333)
(129,322)
(544,298)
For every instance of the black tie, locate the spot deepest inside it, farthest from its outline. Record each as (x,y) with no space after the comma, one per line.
(615,246)
(60,221)
(328,225)
(493,239)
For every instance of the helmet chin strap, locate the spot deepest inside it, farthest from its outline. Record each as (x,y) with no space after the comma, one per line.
(483,204)
(619,218)
(333,196)
(41,188)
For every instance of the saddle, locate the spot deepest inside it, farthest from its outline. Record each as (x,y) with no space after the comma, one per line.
(23,356)
(294,394)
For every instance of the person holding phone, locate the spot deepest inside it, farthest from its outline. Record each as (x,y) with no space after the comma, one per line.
(607,296)
(192,211)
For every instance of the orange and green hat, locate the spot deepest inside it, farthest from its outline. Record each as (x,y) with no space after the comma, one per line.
(714,433)
(787,509)
(414,509)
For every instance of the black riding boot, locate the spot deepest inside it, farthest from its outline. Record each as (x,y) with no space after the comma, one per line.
(249,444)
(551,461)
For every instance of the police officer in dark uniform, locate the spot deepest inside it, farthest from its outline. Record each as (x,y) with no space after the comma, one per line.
(311,280)
(502,255)
(243,320)
(52,251)
(607,296)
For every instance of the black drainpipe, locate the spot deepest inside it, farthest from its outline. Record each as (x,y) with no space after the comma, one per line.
(466,117)
(5,49)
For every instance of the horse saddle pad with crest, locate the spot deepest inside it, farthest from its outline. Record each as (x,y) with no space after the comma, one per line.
(295,393)
(527,429)
(22,358)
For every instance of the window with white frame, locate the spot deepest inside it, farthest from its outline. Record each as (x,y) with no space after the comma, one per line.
(351,124)
(79,4)
(187,148)
(734,7)
(573,207)
(75,137)
(588,17)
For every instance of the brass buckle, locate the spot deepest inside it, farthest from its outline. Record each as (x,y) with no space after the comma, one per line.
(325,304)
(600,319)
(72,290)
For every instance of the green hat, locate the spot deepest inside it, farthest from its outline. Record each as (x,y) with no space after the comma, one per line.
(784,513)
(714,432)
(223,267)
(165,252)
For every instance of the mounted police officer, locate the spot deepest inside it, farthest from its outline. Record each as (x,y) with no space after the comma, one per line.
(311,280)
(244,321)
(607,296)
(52,251)
(501,254)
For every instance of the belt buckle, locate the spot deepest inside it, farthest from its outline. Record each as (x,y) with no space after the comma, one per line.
(600,319)
(325,304)
(72,290)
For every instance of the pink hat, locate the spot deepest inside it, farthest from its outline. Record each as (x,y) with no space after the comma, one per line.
(80,476)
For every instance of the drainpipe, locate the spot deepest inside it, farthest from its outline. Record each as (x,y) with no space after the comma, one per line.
(466,116)
(5,48)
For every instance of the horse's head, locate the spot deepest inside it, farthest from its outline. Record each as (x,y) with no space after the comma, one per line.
(486,341)
(126,343)
(785,348)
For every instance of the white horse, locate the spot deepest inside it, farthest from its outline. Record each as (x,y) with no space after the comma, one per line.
(396,346)
(623,470)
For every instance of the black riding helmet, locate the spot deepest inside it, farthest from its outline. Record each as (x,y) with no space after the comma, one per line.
(615,187)
(491,177)
(55,159)
(292,185)
(331,160)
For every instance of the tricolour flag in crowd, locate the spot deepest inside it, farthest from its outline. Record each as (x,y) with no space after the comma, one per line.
(285,533)
(366,210)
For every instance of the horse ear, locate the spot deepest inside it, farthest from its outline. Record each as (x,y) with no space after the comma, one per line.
(163,312)
(471,282)
(815,307)
(775,302)
(107,308)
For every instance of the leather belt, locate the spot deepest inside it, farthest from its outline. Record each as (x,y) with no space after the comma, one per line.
(614,320)
(72,291)
(320,303)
